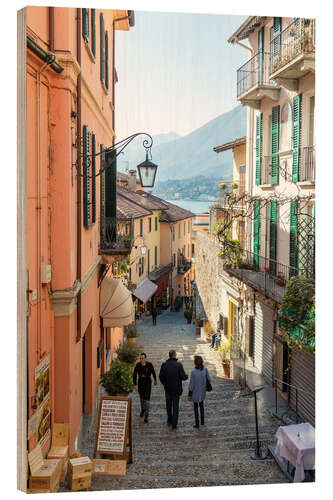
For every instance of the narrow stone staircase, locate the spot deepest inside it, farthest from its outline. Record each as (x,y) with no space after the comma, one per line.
(218,453)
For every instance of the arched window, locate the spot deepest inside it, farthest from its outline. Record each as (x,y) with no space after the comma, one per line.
(286,127)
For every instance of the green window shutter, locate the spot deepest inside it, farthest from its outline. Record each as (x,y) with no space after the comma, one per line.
(261,55)
(148,261)
(85,24)
(275,132)
(272,237)
(293,247)
(297,112)
(102,192)
(93,180)
(93,32)
(156,226)
(277,39)
(141,227)
(107,60)
(155,256)
(258,148)
(102,54)
(256,233)
(111,185)
(86,174)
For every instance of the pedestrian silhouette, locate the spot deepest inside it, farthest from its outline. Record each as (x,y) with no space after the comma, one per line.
(197,389)
(144,370)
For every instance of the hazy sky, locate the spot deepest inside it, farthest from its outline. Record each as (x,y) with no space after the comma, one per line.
(176,71)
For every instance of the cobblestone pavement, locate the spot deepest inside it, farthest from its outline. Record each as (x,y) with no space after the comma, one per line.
(215,454)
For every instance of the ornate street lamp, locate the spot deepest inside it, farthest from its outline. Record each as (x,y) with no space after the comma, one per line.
(147,169)
(147,172)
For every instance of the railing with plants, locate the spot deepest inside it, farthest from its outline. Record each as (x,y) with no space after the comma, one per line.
(308,164)
(183,264)
(114,237)
(253,72)
(298,38)
(266,275)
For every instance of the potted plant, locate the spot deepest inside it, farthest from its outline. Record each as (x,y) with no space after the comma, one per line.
(222,186)
(131,333)
(118,381)
(224,353)
(128,352)
(188,315)
(234,185)
(280,279)
(178,303)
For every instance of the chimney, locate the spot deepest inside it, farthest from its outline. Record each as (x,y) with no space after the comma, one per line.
(132,180)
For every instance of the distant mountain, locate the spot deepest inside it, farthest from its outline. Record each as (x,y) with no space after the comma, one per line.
(192,155)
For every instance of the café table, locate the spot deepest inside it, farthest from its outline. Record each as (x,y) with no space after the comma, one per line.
(296,443)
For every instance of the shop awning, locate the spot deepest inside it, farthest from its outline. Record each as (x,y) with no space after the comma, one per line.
(145,290)
(115,303)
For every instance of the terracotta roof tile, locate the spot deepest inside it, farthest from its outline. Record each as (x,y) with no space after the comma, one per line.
(173,212)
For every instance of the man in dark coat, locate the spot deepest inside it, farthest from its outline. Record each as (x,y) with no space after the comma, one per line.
(144,370)
(171,375)
(154,315)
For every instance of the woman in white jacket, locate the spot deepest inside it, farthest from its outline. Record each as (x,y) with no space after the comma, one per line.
(197,389)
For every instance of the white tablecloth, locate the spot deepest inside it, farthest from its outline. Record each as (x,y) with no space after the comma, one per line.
(296,443)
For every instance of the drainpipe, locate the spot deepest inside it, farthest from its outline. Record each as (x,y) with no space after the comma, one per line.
(78,184)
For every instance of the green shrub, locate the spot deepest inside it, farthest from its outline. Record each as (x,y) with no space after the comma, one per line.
(131,331)
(128,352)
(118,379)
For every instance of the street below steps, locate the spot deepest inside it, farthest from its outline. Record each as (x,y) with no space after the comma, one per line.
(218,453)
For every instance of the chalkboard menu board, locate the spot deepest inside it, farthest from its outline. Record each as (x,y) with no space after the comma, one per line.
(113,425)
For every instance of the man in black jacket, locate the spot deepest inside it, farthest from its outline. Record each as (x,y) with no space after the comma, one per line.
(144,370)
(171,375)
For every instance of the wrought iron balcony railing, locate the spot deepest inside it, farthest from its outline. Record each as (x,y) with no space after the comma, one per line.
(114,240)
(298,38)
(183,264)
(308,164)
(266,275)
(254,72)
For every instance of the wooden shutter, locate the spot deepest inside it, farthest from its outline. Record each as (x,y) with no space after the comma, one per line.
(256,233)
(261,55)
(275,139)
(102,54)
(297,118)
(293,250)
(155,256)
(258,148)
(102,192)
(277,39)
(93,180)
(141,227)
(272,237)
(93,32)
(107,60)
(156,224)
(85,24)
(148,257)
(86,174)
(111,185)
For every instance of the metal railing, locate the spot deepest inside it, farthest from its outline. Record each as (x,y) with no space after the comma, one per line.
(298,38)
(298,392)
(183,265)
(113,238)
(253,72)
(308,164)
(261,273)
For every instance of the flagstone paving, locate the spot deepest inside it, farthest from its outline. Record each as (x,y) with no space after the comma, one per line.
(218,453)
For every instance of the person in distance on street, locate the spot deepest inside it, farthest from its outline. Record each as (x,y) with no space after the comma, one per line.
(197,389)
(171,376)
(144,370)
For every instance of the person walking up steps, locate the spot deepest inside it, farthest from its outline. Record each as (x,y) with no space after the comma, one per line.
(197,389)
(171,376)
(144,370)
(154,315)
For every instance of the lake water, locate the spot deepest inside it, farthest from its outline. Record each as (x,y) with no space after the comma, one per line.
(197,207)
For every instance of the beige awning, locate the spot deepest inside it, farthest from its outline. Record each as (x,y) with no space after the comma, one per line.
(115,303)
(145,290)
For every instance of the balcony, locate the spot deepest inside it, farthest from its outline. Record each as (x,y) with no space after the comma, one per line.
(307,165)
(253,82)
(233,197)
(264,275)
(159,272)
(183,264)
(292,53)
(115,244)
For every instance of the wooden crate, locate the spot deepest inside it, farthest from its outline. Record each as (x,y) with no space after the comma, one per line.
(59,447)
(45,473)
(79,466)
(79,483)
(60,452)
(103,466)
